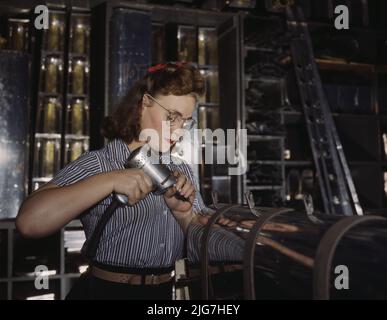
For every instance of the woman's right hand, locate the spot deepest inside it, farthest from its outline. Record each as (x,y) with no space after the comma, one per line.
(133,183)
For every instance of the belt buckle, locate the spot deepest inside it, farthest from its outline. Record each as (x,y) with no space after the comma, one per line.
(152,279)
(156,279)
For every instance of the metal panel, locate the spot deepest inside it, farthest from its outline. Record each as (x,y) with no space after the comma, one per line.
(130,51)
(14,69)
(229,40)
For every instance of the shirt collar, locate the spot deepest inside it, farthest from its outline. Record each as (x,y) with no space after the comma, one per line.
(118,150)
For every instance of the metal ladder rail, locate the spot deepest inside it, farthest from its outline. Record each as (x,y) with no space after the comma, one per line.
(337,188)
(312,130)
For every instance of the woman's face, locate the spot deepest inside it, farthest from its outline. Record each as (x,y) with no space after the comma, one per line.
(155,117)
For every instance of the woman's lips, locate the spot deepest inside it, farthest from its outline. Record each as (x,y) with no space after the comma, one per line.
(170,141)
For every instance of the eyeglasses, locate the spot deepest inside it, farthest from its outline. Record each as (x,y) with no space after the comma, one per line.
(175,117)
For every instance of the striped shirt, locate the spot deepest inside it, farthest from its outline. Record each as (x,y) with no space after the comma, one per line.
(145,235)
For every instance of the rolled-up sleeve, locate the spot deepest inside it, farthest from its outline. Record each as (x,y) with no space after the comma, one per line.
(85,166)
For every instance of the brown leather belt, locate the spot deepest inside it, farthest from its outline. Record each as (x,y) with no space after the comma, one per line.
(134,279)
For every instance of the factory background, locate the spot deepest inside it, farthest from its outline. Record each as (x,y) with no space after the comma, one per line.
(56,86)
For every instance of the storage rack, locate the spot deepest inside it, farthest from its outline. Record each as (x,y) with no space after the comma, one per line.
(53,100)
(357,100)
(61,131)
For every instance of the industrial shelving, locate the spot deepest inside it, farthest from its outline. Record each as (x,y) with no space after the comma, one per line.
(361,122)
(20,284)
(56,119)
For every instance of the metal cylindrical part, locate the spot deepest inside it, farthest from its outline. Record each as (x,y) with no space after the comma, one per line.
(292,256)
(149,161)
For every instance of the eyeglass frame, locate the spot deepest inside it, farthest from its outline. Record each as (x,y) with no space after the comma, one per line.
(170,113)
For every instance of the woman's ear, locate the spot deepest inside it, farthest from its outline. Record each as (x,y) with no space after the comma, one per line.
(145,101)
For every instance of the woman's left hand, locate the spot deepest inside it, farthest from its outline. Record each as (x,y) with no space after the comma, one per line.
(186,189)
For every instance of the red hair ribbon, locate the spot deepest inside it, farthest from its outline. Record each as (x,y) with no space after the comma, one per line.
(162,66)
(157,67)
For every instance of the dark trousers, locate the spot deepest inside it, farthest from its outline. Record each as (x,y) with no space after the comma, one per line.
(89,287)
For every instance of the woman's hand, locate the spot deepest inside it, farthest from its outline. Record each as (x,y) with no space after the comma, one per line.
(133,183)
(186,189)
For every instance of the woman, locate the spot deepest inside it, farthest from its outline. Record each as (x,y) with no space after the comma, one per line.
(142,241)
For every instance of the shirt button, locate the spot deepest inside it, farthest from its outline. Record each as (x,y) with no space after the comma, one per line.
(162,245)
(165,212)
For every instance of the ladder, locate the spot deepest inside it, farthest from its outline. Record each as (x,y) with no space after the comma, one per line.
(337,188)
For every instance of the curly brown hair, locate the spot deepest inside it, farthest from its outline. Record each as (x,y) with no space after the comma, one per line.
(171,79)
